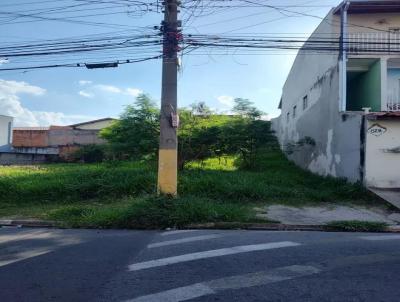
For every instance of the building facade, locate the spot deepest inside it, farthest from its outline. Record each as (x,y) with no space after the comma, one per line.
(340,106)
(57,142)
(6,124)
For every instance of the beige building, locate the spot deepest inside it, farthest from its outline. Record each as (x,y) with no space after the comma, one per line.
(340,106)
(94,125)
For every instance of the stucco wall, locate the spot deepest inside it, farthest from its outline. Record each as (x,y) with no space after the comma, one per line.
(337,149)
(382,160)
(335,146)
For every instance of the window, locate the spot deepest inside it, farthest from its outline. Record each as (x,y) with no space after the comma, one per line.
(305,102)
(288,117)
(294,111)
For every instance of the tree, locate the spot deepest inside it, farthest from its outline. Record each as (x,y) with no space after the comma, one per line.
(200,108)
(201,133)
(244,107)
(194,138)
(136,133)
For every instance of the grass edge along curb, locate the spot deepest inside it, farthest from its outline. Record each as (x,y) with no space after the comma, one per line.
(356,226)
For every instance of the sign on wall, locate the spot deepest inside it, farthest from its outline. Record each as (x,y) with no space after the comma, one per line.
(377,130)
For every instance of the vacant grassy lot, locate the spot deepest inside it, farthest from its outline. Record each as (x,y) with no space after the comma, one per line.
(121,194)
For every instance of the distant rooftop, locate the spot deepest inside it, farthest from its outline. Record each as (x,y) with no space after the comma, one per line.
(369,6)
(63,127)
(92,122)
(31,128)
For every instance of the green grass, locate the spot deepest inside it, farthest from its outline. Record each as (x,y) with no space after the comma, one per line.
(151,212)
(120,194)
(356,226)
(276,180)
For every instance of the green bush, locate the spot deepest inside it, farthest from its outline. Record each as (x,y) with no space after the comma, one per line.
(90,154)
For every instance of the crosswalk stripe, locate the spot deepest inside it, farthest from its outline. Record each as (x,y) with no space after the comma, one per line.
(381,237)
(182,240)
(210,254)
(230,283)
(177,232)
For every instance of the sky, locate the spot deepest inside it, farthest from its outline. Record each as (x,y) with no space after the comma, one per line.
(62,96)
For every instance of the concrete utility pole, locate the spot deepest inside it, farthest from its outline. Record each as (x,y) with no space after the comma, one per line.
(169,120)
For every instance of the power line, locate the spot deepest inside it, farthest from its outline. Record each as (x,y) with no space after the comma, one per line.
(78,65)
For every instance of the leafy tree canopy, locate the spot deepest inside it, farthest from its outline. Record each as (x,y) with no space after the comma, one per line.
(246,108)
(136,133)
(202,133)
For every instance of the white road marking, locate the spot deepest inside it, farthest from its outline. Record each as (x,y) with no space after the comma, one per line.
(14,251)
(25,235)
(211,253)
(381,237)
(230,283)
(178,294)
(183,240)
(177,232)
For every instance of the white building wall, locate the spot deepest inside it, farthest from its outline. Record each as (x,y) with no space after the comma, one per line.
(308,68)
(316,76)
(338,136)
(382,168)
(6,124)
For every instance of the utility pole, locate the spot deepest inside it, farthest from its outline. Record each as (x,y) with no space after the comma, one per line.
(169,120)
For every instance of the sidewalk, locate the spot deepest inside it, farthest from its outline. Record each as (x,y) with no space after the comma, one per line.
(320,215)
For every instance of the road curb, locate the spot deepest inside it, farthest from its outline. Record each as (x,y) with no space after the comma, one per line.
(276,227)
(256,226)
(27,223)
(203,226)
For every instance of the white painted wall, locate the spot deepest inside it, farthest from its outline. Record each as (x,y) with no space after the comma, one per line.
(382,167)
(5,132)
(337,135)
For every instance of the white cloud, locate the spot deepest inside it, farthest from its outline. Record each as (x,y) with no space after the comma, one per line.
(10,104)
(91,90)
(14,88)
(86,94)
(84,82)
(46,118)
(133,91)
(108,88)
(226,100)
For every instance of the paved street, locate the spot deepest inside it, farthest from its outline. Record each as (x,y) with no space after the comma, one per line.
(89,265)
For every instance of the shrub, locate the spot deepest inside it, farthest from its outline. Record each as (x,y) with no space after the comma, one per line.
(90,154)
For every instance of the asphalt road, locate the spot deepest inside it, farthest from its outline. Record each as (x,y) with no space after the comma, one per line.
(89,265)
